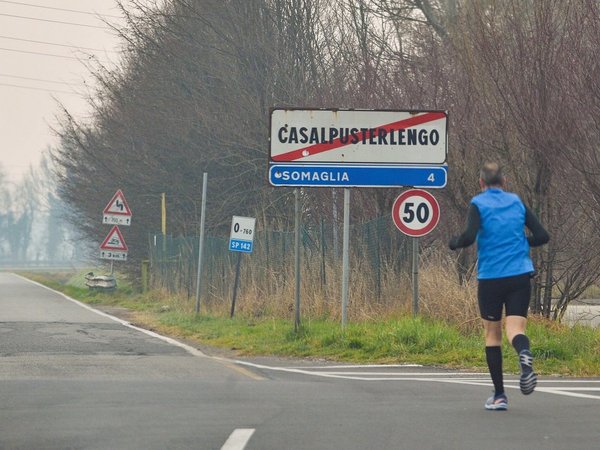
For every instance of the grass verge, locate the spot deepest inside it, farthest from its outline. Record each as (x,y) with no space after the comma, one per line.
(558,349)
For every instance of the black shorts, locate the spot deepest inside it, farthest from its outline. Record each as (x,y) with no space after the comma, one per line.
(511,292)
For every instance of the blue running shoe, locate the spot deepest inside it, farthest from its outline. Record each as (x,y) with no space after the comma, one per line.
(497,403)
(528,380)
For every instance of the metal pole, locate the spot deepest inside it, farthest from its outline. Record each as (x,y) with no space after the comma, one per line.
(297,256)
(235,283)
(415,276)
(163,225)
(336,251)
(345,256)
(201,240)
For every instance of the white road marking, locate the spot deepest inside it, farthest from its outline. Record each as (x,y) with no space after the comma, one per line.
(238,439)
(449,374)
(356,366)
(188,348)
(567,393)
(432,377)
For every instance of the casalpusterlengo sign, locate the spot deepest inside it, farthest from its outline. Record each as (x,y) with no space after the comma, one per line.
(358,136)
(377,148)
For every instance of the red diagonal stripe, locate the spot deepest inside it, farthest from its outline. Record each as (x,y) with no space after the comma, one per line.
(320,148)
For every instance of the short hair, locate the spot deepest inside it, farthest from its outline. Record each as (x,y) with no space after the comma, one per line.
(491,174)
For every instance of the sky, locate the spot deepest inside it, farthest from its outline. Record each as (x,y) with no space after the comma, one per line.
(42,46)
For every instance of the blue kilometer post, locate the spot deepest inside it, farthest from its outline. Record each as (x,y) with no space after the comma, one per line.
(333,175)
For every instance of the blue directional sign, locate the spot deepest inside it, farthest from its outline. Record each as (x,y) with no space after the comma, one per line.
(334,175)
(238,245)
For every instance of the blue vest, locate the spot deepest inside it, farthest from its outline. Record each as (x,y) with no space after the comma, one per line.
(502,245)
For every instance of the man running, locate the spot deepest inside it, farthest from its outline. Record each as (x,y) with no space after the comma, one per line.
(498,220)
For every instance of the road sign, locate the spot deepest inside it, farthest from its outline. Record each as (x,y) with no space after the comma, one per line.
(117,211)
(331,175)
(358,136)
(114,246)
(416,212)
(242,234)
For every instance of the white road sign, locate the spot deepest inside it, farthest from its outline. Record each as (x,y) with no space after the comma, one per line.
(305,136)
(242,234)
(114,246)
(416,212)
(117,211)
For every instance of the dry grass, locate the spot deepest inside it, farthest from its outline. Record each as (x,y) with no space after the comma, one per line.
(444,298)
(272,294)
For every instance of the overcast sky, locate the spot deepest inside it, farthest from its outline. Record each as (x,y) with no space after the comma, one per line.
(31,80)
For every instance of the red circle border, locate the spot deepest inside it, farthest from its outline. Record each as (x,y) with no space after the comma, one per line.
(396,213)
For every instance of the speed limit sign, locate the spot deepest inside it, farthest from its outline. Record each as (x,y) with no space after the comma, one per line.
(416,212)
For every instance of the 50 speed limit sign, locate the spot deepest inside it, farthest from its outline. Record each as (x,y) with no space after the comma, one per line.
(416,212)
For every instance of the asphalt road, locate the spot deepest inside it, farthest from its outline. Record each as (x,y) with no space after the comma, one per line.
(71,378)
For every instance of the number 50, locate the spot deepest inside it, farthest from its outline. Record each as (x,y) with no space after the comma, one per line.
(421,212)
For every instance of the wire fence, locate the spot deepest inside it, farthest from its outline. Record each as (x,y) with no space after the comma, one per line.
(377,249)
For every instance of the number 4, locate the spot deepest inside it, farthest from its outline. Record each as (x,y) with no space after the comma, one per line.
(431,177)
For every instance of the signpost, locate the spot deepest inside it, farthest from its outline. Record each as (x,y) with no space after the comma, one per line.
(415,213)
(115,213)
(241,240)
(357,148)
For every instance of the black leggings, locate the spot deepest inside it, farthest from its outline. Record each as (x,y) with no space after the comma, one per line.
(511,292)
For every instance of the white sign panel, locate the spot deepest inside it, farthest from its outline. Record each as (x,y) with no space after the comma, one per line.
(114,246)
(305,136)
(117,211)
(242,234)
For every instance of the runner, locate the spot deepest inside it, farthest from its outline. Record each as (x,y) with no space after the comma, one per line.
(498,219)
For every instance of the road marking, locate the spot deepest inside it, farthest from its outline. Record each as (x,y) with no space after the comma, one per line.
(231,365)
(434,377)
(356,366)
(193,351)
(238,439)
(188,348)
(449,374)
(567,393)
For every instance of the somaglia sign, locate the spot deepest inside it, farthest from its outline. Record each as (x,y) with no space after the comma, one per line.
(358,148)
(346,175)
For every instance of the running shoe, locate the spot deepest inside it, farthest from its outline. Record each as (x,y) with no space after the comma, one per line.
(528,380)
(497,403)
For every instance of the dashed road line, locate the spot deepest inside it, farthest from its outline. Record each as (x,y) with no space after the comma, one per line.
(238,439)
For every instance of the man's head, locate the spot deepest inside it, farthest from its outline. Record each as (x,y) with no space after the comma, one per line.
(491,175)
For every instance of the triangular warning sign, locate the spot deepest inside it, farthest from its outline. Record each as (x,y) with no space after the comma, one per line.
(114,241)
(118,205)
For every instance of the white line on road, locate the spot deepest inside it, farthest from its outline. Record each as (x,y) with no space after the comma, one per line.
(407,374)
(443,378)
(188,348)
(238,439)
(356,366)
(567,393)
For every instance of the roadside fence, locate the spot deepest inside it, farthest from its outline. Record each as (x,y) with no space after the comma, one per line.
(378,252)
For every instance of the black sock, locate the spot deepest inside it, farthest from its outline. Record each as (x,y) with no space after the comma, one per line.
(493,355)
(520,342)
